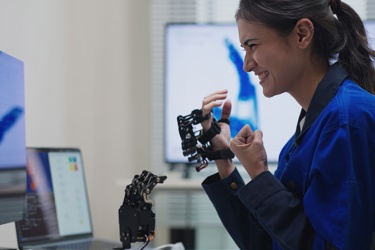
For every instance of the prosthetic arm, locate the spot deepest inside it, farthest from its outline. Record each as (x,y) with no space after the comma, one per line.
(136,218)
(195,143)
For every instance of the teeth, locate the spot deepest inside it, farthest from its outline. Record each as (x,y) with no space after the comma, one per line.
(263,75)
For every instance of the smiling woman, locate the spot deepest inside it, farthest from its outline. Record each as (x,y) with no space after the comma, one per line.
(321,194)
(275,130)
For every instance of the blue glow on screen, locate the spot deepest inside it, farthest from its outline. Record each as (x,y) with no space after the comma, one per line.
(12,115)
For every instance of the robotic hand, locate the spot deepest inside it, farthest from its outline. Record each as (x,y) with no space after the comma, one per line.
(136,218)
(195,143)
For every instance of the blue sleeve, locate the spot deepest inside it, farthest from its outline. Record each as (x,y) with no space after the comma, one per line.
(279,212)
(337,209)
(238,221)
(340,199)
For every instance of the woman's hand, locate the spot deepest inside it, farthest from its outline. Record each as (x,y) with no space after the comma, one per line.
(248,148)
(220,141)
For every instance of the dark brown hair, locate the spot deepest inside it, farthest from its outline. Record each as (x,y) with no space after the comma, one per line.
(338,29)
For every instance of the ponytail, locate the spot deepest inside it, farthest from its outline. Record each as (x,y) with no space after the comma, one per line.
(356,56)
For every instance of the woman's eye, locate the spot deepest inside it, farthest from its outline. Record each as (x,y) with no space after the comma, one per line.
(247,47)
(251,45)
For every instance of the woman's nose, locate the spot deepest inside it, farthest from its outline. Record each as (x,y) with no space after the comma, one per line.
(248,63)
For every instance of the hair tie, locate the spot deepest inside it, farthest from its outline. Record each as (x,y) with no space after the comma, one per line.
(336,6)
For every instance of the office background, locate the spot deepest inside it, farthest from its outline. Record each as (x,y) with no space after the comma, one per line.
(94,80)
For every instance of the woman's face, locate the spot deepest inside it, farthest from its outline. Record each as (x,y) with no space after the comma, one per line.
(276,60)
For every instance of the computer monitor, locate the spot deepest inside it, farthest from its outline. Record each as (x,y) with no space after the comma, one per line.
(12,139)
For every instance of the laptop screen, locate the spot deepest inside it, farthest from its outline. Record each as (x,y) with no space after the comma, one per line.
(57,203)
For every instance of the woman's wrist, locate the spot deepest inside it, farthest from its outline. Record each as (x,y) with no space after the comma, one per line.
(225,167)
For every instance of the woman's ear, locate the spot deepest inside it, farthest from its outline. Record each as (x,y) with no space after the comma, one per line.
(304,29)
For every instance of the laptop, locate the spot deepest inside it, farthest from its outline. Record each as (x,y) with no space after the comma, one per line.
(57,213)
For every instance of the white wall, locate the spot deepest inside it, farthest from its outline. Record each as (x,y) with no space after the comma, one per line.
(87,70)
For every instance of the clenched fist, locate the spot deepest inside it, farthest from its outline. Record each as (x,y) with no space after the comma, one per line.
(248,147)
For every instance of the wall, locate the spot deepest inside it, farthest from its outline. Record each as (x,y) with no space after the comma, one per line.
(87,83)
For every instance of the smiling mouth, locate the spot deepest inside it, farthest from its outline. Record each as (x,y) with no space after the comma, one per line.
(262,75)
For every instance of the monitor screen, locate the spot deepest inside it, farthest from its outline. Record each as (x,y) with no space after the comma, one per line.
(12,139)
(203,58)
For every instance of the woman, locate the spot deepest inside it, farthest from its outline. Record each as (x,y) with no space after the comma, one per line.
(322,195)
